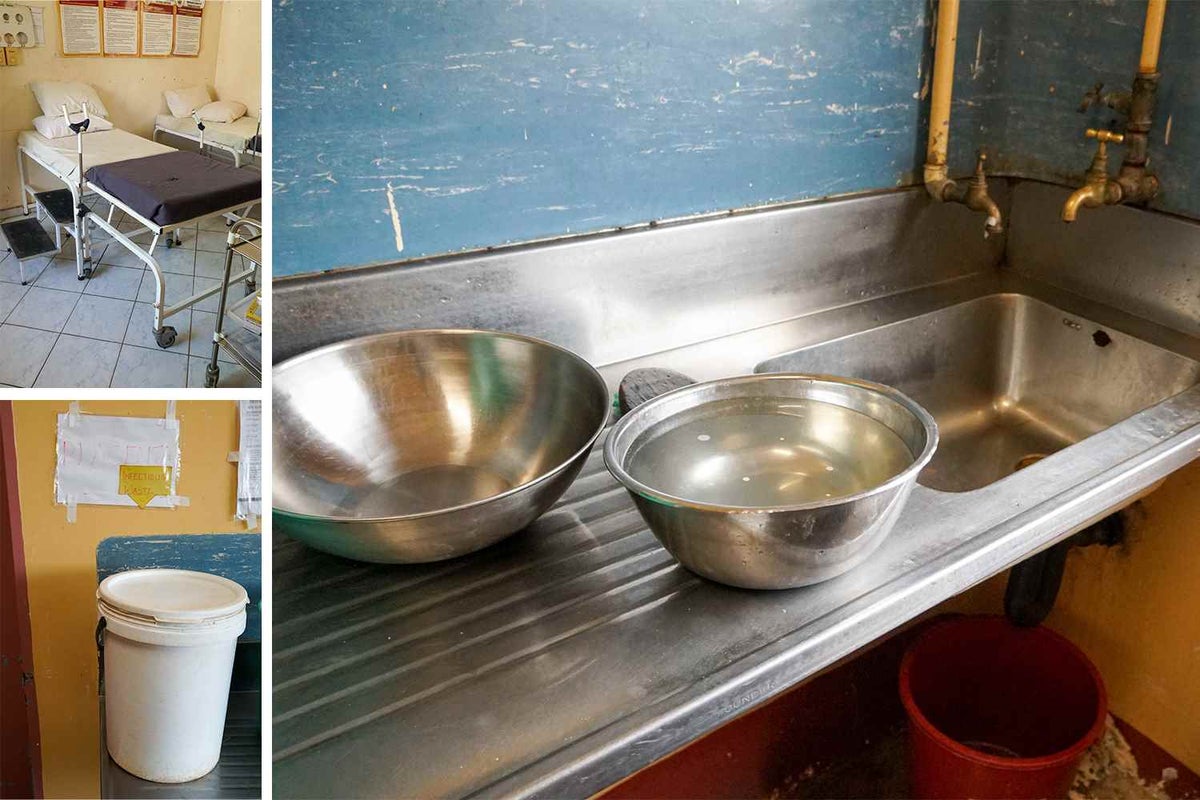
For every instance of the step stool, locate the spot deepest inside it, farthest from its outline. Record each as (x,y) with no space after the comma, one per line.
(27,239)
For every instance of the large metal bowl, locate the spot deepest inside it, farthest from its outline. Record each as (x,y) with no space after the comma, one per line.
(789,434)
(424,445)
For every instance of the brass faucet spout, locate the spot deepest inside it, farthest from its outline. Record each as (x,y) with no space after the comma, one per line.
(1100,190)
(1083,196)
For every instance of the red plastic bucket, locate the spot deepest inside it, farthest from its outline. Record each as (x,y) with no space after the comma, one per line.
(997,711)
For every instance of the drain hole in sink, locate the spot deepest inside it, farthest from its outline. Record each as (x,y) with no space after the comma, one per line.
(1028,461)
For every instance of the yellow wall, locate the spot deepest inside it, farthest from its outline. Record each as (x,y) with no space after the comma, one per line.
(131,88)
(1135,610)
(61,561)
(239,55)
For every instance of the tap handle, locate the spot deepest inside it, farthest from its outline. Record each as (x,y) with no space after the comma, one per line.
(1104,136)
(1093,97)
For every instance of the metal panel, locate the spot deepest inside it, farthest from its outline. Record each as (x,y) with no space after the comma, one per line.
(617,296)
(577,652)
(1146,264)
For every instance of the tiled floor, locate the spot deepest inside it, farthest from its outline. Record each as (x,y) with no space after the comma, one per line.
(58,331)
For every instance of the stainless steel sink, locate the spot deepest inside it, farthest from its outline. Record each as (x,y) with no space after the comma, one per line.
(1007,377)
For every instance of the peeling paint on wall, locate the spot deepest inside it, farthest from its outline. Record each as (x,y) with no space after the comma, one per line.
(486,122)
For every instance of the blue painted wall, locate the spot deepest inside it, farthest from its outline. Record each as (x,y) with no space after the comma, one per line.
(490,122)
(503,121)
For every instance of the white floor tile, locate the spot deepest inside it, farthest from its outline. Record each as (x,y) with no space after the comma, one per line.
(203,323)
(60,275)
(10,295)
(178,287)
(23,351)
(79,362)
(212,265)
(213,241)
(46,309)
(10,269)
(100,318)
(112,281)
(139,366)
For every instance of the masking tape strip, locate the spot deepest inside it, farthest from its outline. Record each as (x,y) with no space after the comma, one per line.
(73,413)
(172,423)
(251,522)
(178,500)
(234,456)
(70,508)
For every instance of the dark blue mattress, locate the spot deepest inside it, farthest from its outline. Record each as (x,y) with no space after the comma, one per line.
(171,188)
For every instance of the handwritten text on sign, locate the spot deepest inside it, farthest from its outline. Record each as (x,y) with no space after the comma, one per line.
(143,483)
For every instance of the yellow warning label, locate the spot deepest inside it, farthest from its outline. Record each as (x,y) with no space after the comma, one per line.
(253,313)
(144,483)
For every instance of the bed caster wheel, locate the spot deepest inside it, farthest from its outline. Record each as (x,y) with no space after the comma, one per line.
(87,273)
(211,376)
(170,242)
(165,337)
(251,285)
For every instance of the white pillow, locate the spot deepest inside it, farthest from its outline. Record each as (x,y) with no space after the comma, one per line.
(222,111)
(52,95)
(183,102)
(53,126)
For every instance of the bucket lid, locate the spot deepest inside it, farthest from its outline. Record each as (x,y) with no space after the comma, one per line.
(175,596)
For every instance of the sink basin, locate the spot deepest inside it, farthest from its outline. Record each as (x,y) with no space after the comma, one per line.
(1008,378)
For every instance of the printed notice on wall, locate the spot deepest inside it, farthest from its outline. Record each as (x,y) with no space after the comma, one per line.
(120,27)
(189,14)
(158,28)
(249,493)
(80,24)
(116,461)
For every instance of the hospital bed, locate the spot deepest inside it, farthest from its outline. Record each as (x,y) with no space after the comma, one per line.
(162,189)
(239,138)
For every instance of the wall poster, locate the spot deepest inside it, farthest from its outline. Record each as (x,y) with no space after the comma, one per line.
(120,23)
(189,15)
(158,27)
(79,23)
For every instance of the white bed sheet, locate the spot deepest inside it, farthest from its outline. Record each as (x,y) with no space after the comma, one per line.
(236,134)
(101,147)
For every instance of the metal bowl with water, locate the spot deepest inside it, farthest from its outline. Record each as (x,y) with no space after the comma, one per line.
(772,481)
(418,446)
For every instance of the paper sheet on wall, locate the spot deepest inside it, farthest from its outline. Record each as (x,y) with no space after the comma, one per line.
(39,26)
(189,15)
(158,28)
(116,461)
(249,493)
(80,24)
(120,27)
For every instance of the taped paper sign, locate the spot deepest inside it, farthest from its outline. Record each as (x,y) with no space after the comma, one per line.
(116,461)
(141,483)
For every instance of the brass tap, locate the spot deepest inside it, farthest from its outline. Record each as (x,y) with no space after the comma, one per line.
(974,195)
(1099,189)
(978,199)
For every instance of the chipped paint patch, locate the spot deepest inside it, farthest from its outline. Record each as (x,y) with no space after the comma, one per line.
(394,213)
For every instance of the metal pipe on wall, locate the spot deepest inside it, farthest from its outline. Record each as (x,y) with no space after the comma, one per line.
(945,42)
(1152,36)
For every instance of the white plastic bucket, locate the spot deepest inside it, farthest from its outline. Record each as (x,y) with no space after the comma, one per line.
(169,642)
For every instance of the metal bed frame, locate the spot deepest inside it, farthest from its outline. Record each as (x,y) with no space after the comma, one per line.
(199,138)
(164,335)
